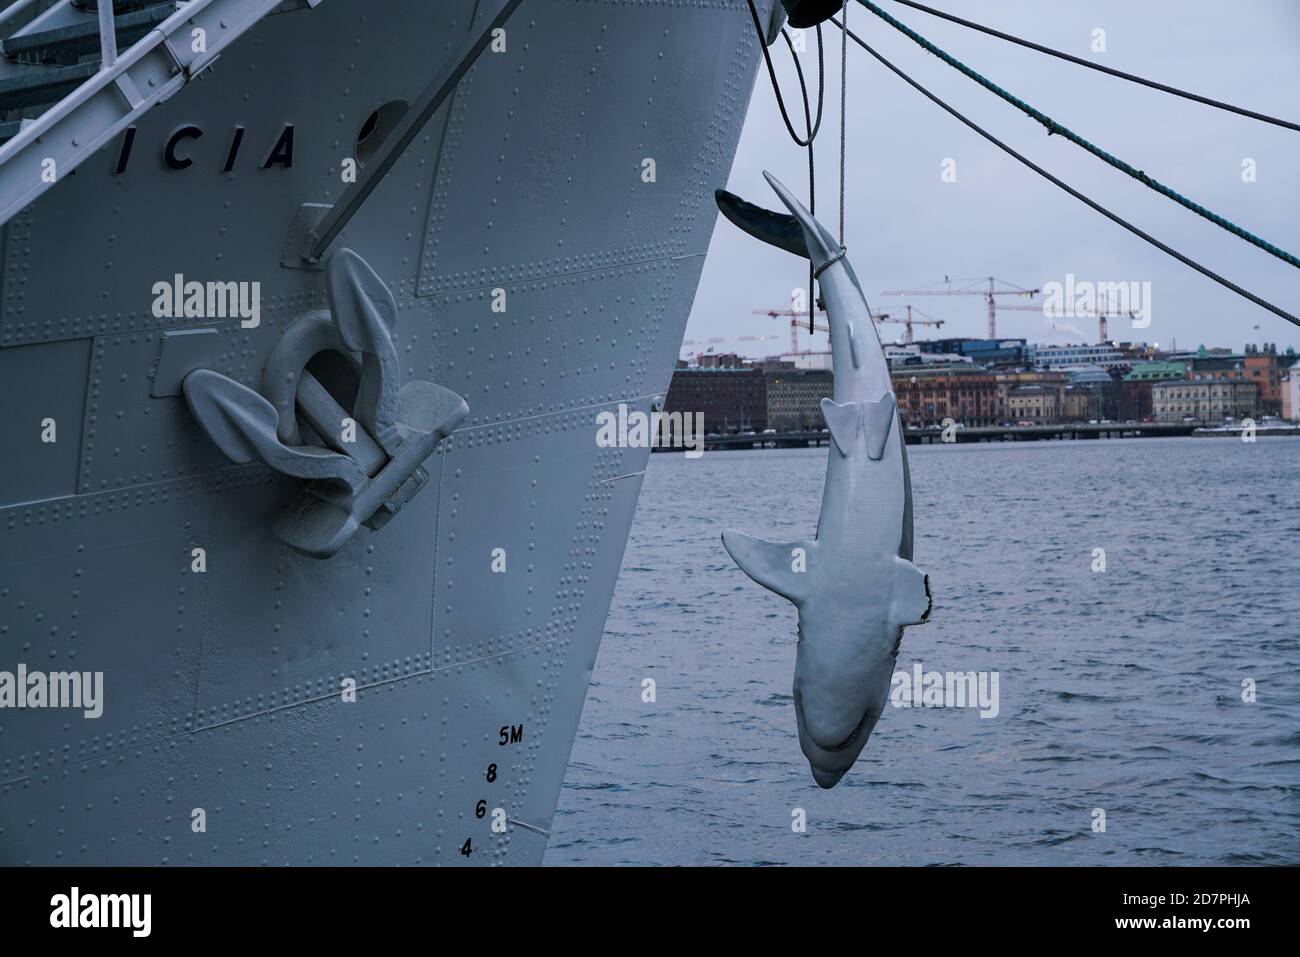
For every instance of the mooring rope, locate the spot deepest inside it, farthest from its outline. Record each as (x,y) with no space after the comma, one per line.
(1163,247)
(1109,71)
(1055,127)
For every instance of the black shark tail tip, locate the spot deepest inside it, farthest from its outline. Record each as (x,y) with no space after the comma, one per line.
(776,229)
(797,232)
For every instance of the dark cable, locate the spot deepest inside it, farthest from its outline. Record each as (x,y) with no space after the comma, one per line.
(812,127)
(776,87)
(1203,270)
(1079,61)
(812,135)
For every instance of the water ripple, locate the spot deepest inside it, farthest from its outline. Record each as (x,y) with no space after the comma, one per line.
(1121,691)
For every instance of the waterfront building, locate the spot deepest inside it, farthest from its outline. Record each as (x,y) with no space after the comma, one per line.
(1135,387)
(1200,352)
(1039,404)
(1093,393)
(1260,365)
(985,352)
(1077,356)
(807,360)
(1291,393)
(928,394)
(1053,382)
(1136,352)
(722,360)
(1134,400)
(1217,368)
(731,400)
(1079,405)
(913,355)
(794,398)
(1264,367)
(1156,372)
(1206,402)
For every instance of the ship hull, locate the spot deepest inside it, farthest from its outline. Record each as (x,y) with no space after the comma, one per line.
(537,272)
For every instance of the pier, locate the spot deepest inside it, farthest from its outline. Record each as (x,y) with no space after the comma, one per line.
(1028,433)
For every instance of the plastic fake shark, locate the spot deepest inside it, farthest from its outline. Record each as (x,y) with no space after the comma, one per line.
(854,584)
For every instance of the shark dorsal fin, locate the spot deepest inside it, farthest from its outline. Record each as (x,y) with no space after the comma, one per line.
(878,419)
(781,567)
(842,421)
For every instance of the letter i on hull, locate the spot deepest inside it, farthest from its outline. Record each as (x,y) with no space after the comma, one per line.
(856,588)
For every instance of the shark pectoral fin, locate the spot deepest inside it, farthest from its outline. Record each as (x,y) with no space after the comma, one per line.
(878,419)
(910,600)
(842,421)
(782,567)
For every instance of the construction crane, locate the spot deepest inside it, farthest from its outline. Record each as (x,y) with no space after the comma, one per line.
(717,340)
(795,322)
(989,295)
(908,322)
(1101,316)
(796,316)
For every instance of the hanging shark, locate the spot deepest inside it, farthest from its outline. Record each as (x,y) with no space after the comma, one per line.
(854,584)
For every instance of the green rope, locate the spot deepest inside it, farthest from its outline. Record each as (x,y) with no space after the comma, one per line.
(1055,127)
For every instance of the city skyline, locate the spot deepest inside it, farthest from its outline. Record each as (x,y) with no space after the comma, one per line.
(983,383)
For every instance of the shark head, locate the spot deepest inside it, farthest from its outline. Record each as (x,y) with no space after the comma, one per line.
(841,686)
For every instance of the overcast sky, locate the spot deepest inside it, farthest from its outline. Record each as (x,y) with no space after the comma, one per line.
(907,228)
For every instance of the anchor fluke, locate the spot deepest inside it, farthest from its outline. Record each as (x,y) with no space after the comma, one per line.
(375,461)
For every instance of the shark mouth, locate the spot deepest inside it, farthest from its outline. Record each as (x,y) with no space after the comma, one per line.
(843,745)
(849,741)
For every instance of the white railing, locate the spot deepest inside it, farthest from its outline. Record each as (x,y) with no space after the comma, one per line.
(15,8)
(143,75)
(107,27)
(107,35)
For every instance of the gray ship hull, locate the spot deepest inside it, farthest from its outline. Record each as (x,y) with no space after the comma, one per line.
(225,737)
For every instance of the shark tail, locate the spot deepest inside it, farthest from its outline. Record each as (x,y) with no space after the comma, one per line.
(797,232)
